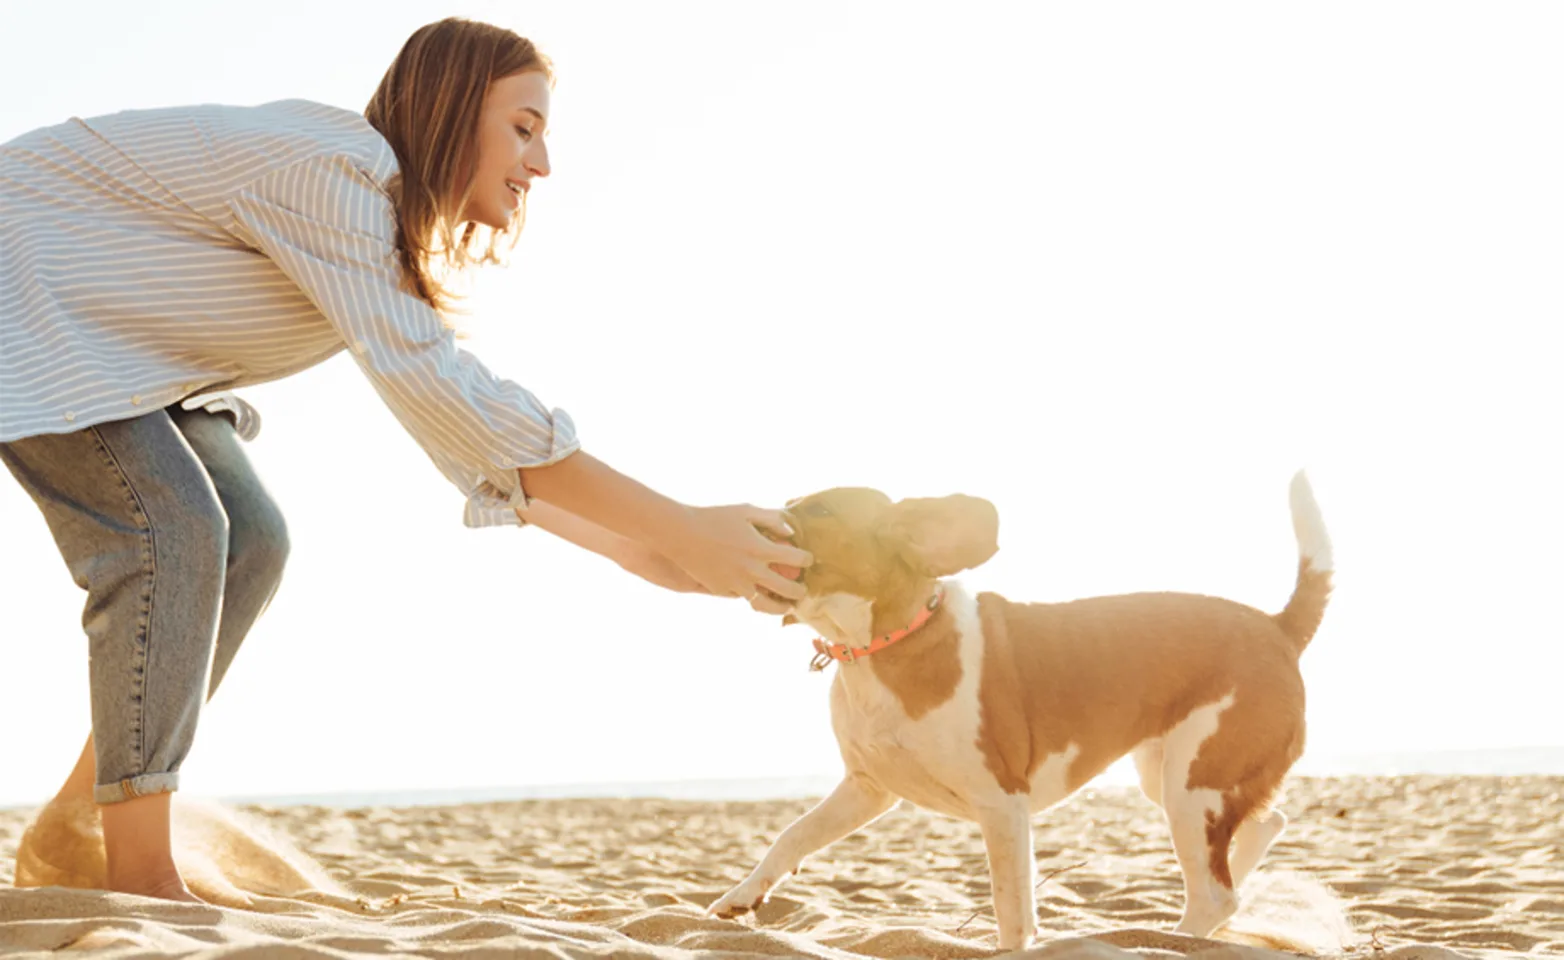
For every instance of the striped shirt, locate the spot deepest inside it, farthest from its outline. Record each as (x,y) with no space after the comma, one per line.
(154,257)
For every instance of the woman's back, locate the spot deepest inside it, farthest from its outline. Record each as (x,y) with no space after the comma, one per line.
(126,280)
(182,161)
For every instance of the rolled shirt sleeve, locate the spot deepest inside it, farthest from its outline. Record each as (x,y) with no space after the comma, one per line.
(331,229)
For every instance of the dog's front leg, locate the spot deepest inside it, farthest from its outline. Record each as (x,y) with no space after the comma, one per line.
(855,802)
(1007,834)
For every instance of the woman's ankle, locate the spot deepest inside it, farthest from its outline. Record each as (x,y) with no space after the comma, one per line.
(137,841)
(138,852)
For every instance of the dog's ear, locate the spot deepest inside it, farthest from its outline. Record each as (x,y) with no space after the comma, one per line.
(941,536)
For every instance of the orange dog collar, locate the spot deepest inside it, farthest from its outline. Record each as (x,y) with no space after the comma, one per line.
(842,653)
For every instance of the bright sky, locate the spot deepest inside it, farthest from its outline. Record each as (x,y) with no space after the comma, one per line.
(1119,268)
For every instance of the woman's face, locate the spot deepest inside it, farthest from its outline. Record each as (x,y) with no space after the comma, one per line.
(511,150)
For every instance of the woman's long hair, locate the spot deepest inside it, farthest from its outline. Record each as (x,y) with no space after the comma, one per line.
(427,107)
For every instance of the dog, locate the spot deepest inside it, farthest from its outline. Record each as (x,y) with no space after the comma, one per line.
(991,711)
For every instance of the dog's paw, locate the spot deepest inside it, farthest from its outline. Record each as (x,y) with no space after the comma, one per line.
(742,899)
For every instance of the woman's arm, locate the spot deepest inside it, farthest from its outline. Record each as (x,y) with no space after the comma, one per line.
(572,529)
(722,548)
(632,557)
(587,489)
(325,223)
(629,555)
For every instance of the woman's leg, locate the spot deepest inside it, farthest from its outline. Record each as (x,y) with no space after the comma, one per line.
(142,530)
(257,535)
(257,553)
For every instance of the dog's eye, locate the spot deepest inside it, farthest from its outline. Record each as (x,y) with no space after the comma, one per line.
(816,510)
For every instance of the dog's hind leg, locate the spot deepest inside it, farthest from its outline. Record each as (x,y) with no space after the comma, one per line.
(1222,767)
(1201,846)
(1201,822)
(855,802)
(1251,841)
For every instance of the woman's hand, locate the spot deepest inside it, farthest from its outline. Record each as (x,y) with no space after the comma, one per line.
(723,549)
(764,602)
(658,570)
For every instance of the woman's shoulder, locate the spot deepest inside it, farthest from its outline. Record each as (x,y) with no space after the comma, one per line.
(334,131)
(307,129)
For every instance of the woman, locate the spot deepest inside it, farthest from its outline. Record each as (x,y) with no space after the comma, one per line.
(150,260)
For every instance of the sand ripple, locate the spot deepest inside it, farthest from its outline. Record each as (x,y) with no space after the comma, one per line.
(1420,868)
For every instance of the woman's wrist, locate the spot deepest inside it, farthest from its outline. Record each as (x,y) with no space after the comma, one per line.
(583,533)
(639,559)
(630,555)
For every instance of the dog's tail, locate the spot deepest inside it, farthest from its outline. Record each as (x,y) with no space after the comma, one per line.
(1303,613)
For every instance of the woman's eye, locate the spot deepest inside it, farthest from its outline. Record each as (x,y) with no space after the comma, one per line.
(525,133)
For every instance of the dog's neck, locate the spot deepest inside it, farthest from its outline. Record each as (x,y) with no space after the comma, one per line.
(838,617)
(918,672)
(852,627)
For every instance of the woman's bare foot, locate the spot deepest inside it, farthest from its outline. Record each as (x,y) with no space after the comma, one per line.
(167,888)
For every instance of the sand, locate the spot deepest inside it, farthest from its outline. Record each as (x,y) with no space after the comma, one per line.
(1392,868)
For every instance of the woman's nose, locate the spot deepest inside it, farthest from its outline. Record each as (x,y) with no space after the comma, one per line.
(536,159)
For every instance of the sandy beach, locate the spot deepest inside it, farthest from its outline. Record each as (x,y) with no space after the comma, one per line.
(1396,868)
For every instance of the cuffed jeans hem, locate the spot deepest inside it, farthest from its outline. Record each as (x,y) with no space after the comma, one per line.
(132,787)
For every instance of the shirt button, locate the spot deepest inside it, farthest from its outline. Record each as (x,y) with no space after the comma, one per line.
(70,414)
(136,400)
(360,347)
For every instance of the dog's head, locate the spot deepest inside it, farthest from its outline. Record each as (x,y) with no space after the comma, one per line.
(875,559)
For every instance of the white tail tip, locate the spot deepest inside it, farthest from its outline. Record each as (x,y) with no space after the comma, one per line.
(1309,526)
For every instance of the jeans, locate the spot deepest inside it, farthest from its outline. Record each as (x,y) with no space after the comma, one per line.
(162,520)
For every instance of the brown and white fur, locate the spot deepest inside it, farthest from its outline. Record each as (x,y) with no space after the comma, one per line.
(994,710)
